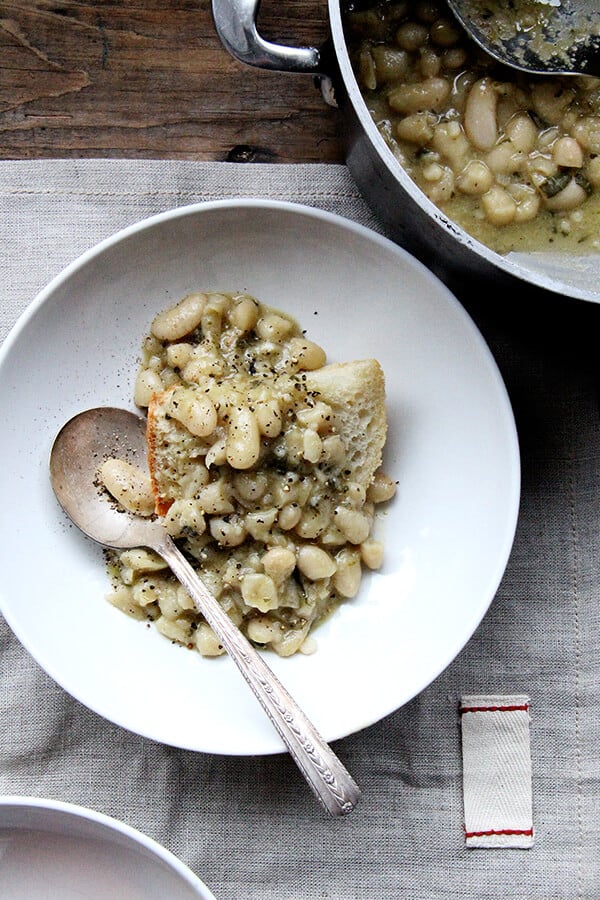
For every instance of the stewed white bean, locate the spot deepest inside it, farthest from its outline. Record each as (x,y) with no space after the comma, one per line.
(194,410)
(566,151)
(315,563)
(129,485)
(243,438)
(147,383)
(475,179)
(499,206)
(181,319)
(481,126)
(353,524)
(259,591)
(348,574)
(411,98)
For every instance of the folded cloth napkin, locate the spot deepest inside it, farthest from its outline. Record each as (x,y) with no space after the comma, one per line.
(249,827)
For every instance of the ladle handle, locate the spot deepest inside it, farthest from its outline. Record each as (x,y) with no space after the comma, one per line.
(328,778)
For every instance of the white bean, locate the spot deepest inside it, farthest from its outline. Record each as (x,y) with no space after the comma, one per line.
(250,486)
(475,179)
(348,575)
(390,63)
(140,560)
(268,416)
(215,498)
(319,416)
(444,33)
(228,531)
(416,128)
(505,159)
(263,630)
(353,524)
(528,202)
(307,354)
(244,314)
(243,438)
(207,643)
(450,142)
(216,455)
(312,446)
(551,99)
(411,35)
(179,320)
(382,488)
(426,95)
(289,516)
(427,11)
(129,485)
(480,114)
(429,62)
(273,327)
(442,187)
(567,152)
(315,563)
(195,411)
(454,58)
(521,132)
(259,591)
(593,171)
(571,196)
(586,131)
(259,523)
(147,383)
(183,515)
(174,629)
(356,494)
(334,450)
(372,554)
(540,168)
(313,522)
(498,206)
(279,563)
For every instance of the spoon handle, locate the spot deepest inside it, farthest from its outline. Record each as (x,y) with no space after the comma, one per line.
(331,783)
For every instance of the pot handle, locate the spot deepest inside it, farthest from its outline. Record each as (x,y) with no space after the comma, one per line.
(235,21)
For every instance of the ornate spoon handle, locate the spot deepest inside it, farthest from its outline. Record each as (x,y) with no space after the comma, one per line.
(328,778)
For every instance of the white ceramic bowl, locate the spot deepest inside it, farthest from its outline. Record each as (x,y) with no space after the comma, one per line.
(50,849)
(452,447)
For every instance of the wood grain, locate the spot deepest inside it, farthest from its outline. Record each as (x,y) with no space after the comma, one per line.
(150,79)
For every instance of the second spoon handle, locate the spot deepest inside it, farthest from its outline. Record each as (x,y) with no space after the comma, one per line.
(326,775)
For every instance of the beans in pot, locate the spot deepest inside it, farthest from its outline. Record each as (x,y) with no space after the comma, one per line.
(512,158)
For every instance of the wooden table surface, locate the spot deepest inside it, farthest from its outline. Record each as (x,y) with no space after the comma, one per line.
(150,79)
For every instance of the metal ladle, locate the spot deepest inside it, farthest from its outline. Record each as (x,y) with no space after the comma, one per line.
(545,37)
(79,449)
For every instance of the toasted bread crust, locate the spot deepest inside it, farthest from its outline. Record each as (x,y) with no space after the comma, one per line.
(156,415)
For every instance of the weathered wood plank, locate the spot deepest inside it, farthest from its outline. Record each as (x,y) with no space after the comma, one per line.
(150,79)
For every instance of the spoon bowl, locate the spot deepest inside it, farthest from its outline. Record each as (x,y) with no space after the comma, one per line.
(80,448)
(544,37)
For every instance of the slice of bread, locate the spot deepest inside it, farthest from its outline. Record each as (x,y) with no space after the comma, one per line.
(172,451)
(355,391)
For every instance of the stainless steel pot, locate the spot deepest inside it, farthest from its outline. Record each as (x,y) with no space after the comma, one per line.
(407,214)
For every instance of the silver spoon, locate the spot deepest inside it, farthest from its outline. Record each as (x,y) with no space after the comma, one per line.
(559,37)
(78,451)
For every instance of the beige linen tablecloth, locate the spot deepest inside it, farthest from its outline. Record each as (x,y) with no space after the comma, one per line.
(249,827)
